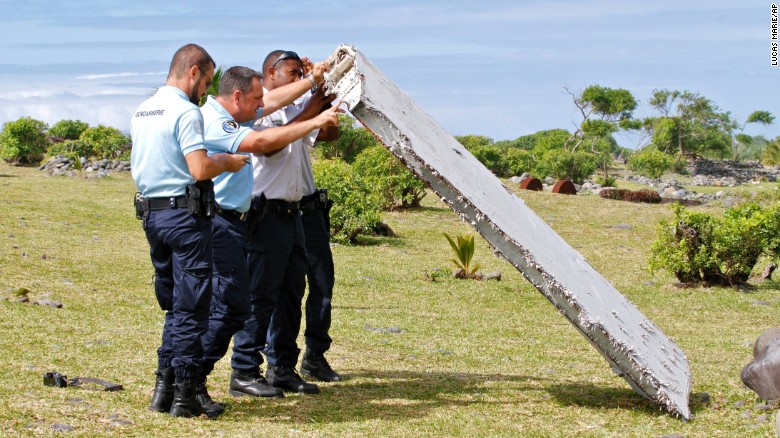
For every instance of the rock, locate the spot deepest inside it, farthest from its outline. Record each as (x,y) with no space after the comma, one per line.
(48,302)
(762,375)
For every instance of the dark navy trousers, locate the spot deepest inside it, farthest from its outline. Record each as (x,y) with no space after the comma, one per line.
(230,288)
(320,275)
(180,248)
(276,256)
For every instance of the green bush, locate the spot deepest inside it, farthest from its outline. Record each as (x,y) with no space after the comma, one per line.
(68,129)
(651,163)
(517,161)
(23,141)
(563,164)
(680,166)
(73,149)
(697,247)
(105,142)
(492,157)
(608,181)
(394,182)
(356,206)
(353,138)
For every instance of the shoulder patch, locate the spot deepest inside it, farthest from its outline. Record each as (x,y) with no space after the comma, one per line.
(229,126)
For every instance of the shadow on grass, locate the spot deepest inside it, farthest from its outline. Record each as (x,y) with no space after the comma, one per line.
(593,396)
(399,395)
(385,395)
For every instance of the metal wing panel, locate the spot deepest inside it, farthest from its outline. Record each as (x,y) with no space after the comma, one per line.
(635,348)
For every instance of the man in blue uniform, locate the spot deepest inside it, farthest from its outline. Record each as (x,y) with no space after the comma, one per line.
(315,207)
(276,251)
(173,171)
(240,97)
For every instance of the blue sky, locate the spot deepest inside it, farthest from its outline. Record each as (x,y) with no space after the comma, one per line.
(494,68)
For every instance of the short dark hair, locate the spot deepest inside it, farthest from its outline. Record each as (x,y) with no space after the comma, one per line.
(238,78)
(187,56)
(278,55)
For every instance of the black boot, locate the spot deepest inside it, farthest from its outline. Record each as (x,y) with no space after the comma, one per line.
(315,365)
(288,379)
(162,398)
(185,402)
(210,407)
(251,383)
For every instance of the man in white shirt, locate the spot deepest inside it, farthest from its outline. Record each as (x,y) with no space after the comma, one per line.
(277,254)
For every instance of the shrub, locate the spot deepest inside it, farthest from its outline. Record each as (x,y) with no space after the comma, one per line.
(680,166)
(492,157)
(356,206)
(697,247)
(646,196)
(353,138)
(516,161)
(23,141)
(563,164)
(394,182)
(615,194)
(73,149)
(651,163)
(68,130)
(608,181)
(105,142)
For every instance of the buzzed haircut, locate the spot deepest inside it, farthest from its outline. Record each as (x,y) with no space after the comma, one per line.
(238,78)
(270,58)
(187,56)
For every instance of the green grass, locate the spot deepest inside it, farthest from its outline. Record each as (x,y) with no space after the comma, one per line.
(471,358)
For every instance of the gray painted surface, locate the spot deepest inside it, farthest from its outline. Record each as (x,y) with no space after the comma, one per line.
(635,348)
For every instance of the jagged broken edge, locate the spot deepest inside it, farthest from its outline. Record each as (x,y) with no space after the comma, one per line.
(647,385)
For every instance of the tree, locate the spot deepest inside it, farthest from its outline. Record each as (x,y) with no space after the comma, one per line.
(741,142)
(689,123)
(68,129)
(23,140)
(604,111)
(771,154)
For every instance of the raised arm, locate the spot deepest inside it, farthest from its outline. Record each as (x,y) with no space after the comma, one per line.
(282,96)
(272,139)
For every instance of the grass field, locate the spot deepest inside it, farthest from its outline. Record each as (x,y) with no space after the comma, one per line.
(445,358)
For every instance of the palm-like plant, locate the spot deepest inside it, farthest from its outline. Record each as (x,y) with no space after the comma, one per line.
(464,253)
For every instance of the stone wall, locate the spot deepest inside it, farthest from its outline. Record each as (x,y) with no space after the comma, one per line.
(64,166)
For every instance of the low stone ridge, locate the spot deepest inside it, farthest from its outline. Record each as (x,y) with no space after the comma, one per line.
(64,166)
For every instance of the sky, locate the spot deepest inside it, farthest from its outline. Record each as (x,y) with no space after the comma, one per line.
(492,68)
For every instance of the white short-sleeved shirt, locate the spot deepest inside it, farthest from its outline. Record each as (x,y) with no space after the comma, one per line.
(223,134)
(164,129)
(287,174)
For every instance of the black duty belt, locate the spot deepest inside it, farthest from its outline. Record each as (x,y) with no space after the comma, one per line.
(231,213)
(283,208)
(163,203)
(309,205)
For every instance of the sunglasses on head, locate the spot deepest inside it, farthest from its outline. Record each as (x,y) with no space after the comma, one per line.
(285,55)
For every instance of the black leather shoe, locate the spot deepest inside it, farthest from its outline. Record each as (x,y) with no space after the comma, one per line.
(210,407)
(251,383)
(288,379)
(315,365)
(185,402)
(162,398)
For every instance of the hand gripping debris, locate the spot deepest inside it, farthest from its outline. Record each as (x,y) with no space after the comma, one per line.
(635,347)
